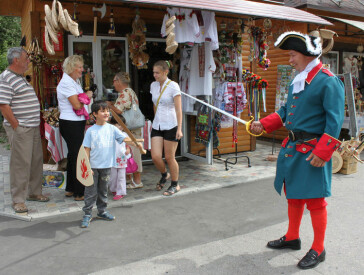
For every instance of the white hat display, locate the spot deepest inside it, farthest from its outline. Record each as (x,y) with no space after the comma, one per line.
(172,45)
(52,19)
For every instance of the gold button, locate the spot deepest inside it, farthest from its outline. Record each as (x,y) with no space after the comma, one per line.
(286,155)
(330,140)
(304,149)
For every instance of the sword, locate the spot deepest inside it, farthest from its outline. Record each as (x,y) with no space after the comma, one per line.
(246,123)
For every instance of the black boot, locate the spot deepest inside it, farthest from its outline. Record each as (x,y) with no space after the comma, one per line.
(311,259)
(282,243)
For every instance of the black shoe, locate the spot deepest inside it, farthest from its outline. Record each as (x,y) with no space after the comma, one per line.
(311,259)
(282,243)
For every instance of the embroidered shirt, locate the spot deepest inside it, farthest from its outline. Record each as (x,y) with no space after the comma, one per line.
(165,117)
(16,92)
(201,85)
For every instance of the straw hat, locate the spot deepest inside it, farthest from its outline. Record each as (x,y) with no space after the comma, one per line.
(48,14)
(72,25)
(170,28)
(61,17)
(51,31)
(325,35)
(55,15)
(172,47)
(170,38)
(170,21)
(49,45)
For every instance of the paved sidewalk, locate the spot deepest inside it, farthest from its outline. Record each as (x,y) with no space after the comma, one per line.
(194,177)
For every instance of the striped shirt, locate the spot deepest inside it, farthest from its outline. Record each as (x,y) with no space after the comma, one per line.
(16,92)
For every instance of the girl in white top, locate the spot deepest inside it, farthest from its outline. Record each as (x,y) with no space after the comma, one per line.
(167,125)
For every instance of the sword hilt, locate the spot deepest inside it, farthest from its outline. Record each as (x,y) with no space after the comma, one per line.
(247,126)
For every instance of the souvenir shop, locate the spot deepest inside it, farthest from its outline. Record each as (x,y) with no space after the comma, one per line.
(222,53)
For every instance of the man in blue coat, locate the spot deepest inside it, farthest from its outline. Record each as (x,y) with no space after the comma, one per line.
(313,115)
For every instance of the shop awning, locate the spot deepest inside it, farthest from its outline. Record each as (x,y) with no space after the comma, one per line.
(357,24)
(241,7)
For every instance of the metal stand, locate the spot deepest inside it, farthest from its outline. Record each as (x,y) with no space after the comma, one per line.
(236,157)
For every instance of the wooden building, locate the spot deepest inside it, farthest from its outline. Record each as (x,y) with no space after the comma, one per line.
(152,12)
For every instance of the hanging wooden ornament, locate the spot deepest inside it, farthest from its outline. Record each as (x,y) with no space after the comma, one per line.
(112,25)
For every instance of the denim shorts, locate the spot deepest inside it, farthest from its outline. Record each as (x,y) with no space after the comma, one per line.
(169,135)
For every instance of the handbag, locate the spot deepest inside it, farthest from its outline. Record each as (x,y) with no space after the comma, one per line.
(134,118)
(132,166)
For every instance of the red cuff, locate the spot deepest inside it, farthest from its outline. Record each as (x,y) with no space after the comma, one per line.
(326,146)
(272,122)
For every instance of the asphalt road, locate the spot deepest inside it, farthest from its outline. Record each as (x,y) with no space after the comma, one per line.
(222,231)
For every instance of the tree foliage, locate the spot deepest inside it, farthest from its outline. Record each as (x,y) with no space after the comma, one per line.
(10,36)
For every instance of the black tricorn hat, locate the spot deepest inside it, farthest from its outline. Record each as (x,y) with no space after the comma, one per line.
(299,42)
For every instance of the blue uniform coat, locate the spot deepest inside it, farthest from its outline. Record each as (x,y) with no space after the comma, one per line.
(318,109)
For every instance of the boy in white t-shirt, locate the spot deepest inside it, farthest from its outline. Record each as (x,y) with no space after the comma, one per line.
(99,143)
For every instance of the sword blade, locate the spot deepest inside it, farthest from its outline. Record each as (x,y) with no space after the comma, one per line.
(215,108)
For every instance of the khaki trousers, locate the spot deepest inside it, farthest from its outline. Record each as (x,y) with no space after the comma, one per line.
(137,156)
(26,162)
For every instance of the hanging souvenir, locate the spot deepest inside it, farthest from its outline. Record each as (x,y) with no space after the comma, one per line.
(258,46)
(112,25)
(171,44)
(54,19)
(37,58)
(256,92)
(137,43)
(216,126)
(203,125)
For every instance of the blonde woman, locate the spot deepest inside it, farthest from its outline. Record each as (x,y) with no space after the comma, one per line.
(167,125)
(124,102)
(71,125)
